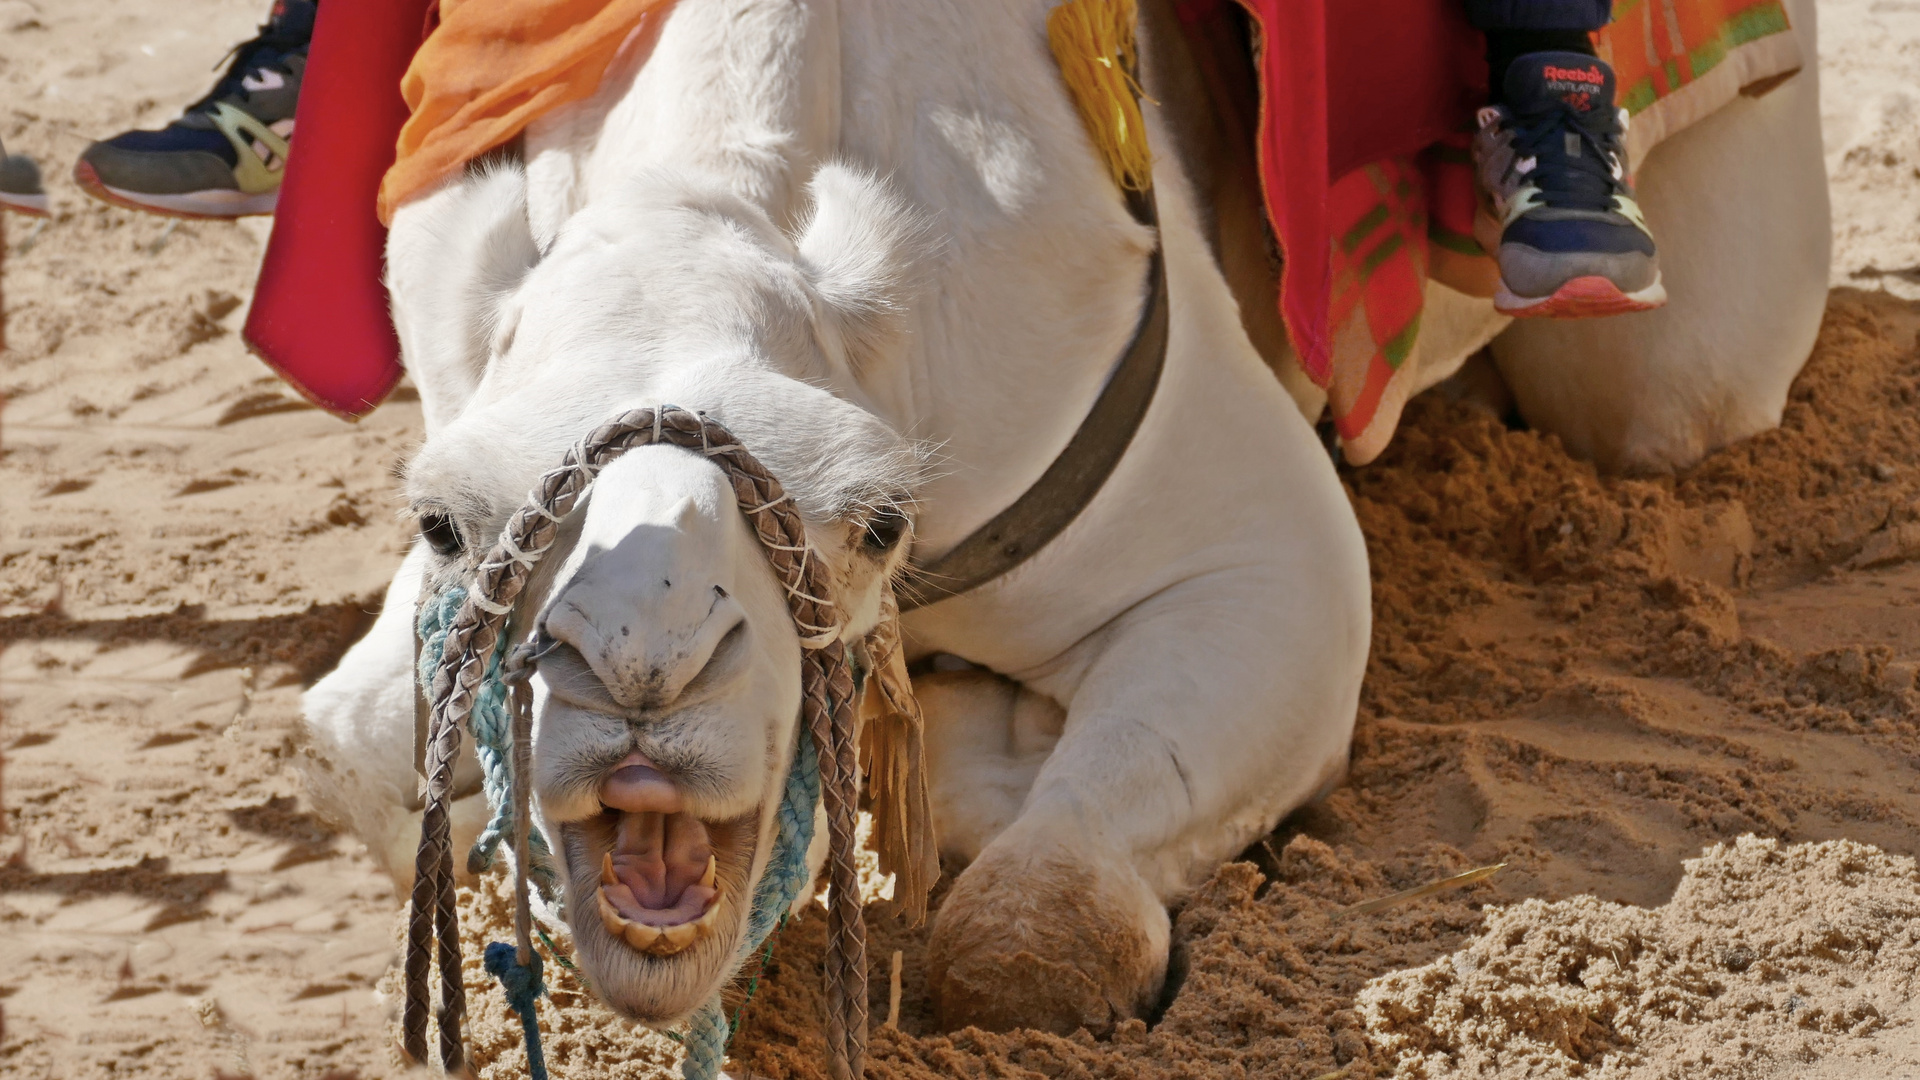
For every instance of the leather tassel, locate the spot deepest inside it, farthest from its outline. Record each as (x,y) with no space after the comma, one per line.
(894,756)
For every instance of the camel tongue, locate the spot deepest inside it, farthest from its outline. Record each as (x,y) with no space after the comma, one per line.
(694,903)
(658,857)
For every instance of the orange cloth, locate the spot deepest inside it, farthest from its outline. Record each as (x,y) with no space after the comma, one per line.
(491,68)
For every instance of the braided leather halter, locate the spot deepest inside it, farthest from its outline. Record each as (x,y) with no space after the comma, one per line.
(469,652)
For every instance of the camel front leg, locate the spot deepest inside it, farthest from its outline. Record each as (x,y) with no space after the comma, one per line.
(1194,722)
(358,762)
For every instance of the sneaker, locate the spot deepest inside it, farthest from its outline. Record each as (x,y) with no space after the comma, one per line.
(20,185)
(1572,242)
(224,158)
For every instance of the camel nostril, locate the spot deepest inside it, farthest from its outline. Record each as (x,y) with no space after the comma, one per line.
(646,651)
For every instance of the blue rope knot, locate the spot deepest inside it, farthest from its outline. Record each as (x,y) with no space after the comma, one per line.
(523,986)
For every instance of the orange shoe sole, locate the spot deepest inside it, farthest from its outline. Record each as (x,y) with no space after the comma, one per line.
(89,181)
(1583,298)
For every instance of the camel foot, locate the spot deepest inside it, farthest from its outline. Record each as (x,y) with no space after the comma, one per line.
(1047,942)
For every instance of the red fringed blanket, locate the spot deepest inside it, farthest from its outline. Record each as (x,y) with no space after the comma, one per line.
(1364,114)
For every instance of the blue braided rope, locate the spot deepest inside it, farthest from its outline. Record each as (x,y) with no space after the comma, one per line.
(780,885)
(491,726)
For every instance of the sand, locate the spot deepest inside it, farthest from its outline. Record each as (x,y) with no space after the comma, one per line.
(1592,680)
(1870,98)
(1765,955)
(183,544)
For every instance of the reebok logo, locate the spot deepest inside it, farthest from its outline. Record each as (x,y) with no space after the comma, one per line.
(1591,75)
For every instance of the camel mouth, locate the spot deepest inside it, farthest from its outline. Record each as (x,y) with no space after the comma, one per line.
(660,888)
(657,894)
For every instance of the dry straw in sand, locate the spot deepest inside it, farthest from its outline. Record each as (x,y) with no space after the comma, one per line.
(1405,896)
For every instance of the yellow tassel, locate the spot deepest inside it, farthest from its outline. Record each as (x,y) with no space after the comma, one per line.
(1093,43)
(894,753)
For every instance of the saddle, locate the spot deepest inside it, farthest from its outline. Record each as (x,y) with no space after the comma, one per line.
(1332,138)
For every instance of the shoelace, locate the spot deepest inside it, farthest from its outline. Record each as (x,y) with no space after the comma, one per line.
(264,50)
(1586,181)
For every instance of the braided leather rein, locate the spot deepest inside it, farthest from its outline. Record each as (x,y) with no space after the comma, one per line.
(827,713)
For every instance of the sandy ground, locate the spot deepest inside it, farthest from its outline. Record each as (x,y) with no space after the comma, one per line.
(1591,680)
(182,544)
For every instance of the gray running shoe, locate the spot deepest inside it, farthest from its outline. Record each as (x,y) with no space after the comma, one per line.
(1573,243)
(20,189)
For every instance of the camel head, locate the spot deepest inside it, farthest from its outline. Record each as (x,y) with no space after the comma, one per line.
(668,695)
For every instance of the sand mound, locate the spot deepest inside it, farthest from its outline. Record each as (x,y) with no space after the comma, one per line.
(1766,954)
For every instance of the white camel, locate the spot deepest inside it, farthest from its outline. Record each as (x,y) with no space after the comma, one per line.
(873,241)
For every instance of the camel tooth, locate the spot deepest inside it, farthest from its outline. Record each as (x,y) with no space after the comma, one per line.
(641,936)
(708,918)
(607,876)
(706,879)
(610,916)
(675,938)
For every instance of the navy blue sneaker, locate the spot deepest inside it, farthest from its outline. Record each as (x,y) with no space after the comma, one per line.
(1573,243)
(225,156)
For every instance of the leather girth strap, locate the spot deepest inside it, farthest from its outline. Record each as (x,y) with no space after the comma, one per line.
(1044,510)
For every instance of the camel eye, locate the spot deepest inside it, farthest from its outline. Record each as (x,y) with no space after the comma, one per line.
(884,529)
(440,533)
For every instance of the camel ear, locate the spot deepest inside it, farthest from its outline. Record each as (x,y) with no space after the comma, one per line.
(864,252)
(455,259)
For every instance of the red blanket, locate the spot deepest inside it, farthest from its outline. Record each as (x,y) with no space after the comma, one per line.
(1352,93)
(319,314)
(1347,84)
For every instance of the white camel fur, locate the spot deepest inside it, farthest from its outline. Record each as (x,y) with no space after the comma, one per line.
(872,239)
